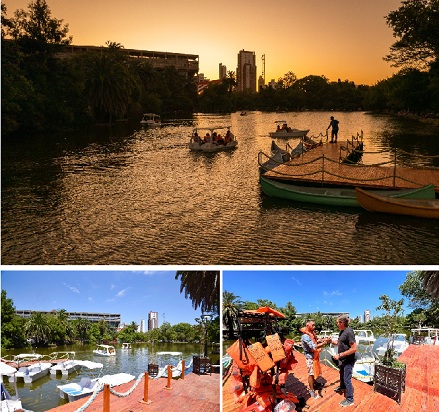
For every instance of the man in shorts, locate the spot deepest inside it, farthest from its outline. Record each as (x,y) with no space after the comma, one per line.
(311,346)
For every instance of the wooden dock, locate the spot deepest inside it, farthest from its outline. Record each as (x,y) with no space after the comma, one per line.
(421,392)
(321,165)
(194,393)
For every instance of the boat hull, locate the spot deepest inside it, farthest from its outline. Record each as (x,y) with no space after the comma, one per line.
(331,196)
(425,208)
(212,147)
(293,133)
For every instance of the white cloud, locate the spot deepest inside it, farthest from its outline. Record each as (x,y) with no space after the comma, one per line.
(72,288)
(296,280)
(333,293)
(122,292)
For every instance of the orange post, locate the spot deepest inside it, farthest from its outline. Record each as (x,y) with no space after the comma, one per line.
(145,390)
(182,369)
(106,398)
(168,386)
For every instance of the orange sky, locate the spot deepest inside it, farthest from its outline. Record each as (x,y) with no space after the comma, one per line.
(340,39)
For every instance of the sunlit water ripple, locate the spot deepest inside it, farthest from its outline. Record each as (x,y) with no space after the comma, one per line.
(126,196)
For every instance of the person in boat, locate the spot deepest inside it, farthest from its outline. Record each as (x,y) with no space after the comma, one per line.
(347,347)
(334,131)
(312,346)
(197,139)
(278,128)
(228,137)
(206,138)
(219,139)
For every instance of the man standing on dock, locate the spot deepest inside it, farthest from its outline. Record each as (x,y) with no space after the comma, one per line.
(311,346)
(334,132)
(347,347)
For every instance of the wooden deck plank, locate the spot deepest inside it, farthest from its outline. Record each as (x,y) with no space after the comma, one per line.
(328,170)
(421,394)
(194,393)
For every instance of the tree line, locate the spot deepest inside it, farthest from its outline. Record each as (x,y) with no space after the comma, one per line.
(420,287)
(55,328)
(41,91)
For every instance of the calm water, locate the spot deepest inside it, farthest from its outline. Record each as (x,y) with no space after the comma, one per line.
(127,196)
(43,393)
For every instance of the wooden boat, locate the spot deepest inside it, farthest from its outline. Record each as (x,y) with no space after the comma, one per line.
(334,196)
(421,207)
(212,141)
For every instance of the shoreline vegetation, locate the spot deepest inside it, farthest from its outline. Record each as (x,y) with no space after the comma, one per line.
(43,92)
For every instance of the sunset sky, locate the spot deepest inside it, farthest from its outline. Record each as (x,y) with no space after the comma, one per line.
(340,39)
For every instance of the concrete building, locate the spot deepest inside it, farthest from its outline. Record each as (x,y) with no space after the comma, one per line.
(153,320)
(366,316)
(113,319)
(246,71)
(142,325)
(222,71)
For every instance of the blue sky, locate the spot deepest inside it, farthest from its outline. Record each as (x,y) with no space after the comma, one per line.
(131,293)
(316,290)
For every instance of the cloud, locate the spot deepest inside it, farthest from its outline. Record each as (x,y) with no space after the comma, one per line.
(122,292)
(333,293)
(112,286)
(296,280)
(72,288)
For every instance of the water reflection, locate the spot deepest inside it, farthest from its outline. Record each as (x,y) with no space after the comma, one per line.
(132,196)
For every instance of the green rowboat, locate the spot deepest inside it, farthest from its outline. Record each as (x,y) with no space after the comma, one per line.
(333,196)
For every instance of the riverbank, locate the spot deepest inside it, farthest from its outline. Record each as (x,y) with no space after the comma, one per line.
(193,393)
(421,392)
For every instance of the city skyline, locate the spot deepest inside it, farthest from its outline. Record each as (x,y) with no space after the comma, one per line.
(132,293)
(338,39)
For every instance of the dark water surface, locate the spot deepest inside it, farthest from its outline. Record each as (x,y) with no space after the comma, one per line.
(127,196)
(43,394)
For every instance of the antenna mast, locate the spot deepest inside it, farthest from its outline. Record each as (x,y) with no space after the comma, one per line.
(263,67)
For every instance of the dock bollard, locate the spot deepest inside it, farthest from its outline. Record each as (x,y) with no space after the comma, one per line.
(182,369)
(106,397)
(145,399)
(168,386)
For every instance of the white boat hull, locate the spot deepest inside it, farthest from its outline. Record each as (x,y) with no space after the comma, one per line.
(31,373)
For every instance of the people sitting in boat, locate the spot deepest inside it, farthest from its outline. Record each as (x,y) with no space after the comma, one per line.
(219,139)
(214,137)
(278,128)
(197,139)
(206,138)
(285,128)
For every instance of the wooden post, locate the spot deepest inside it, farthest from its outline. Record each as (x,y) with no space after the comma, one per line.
(106,398)
(323,168)
(394,171)
(145,390)
(168,386)
(182,369)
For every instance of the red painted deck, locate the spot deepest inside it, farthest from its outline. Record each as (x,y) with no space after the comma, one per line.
(313,168)
(421,393)
(194,393)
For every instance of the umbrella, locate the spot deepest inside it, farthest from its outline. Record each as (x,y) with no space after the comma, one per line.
(267,309)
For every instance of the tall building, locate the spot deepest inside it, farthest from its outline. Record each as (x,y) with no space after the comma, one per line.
(222,71)
(246,71)
(153,320)
(366,316)
(142,326)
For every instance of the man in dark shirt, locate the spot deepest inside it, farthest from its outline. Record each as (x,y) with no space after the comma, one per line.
(346,358)
(334,132)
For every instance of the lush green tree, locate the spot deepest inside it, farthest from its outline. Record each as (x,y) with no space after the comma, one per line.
(232,304)
(37,24)
(37,328)
(12,326)
(82,327)
(287,81)
(202,287)
(415,26)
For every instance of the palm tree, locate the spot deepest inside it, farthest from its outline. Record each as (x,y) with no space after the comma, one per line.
(37,327)
(109,83)
(231,306)
(202,287)
(82,327)
(431,283)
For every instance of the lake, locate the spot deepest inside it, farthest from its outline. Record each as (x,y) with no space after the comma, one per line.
(43,394)
(123,195)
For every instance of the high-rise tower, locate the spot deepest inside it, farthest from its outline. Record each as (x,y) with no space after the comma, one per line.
(153,320)
(246,71)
